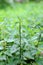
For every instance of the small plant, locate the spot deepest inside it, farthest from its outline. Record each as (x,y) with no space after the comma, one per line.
(21,37)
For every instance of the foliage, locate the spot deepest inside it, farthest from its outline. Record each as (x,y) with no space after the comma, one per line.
(11,1)
(21,36)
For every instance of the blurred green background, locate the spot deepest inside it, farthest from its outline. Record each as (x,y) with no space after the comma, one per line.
(21,32)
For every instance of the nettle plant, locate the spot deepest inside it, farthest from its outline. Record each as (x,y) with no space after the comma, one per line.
(24,45)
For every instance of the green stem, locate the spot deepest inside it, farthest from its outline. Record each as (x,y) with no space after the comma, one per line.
(20,37)
(20,41)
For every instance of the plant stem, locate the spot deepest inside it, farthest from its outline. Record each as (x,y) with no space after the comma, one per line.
(20,37)
(20,41)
